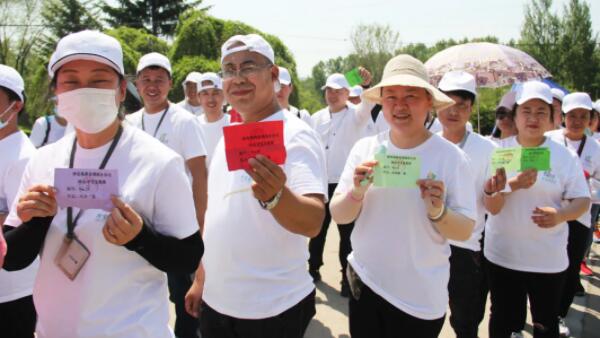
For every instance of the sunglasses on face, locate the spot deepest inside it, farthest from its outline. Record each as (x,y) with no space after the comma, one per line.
(500,115)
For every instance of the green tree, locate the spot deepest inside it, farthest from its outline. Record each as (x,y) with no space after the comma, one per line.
(159,17)
(61,17)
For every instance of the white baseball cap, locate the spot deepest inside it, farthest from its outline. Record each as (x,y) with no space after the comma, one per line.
(577,100)
(336,81)
(458,80)
(557,94)
(284,76)
(87,45)
(251,42)
(534,90)
(507,101)
(193,77)
(154,59)
(356,91)
(216,81)
(597,106)
(12,80)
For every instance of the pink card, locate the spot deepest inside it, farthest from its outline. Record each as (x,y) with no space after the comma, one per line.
(86,188)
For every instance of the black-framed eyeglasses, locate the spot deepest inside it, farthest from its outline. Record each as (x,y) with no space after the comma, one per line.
(245,71)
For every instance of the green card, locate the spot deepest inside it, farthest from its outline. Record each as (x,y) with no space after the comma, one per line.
(396,171)
(353,77)
(518,159)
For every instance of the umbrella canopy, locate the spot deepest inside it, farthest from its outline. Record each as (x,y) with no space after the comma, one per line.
(493,65)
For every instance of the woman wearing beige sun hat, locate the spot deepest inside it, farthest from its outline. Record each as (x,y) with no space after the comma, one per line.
(408,191)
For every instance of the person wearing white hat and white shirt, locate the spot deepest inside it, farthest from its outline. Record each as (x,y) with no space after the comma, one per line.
(466,287)
(17,312)
(283,96)
(48,129)
(595,123)
(505,126)
(526,231)
(257,221)
(557,99)
(577,108)
(210,95)
(340,125)
(191,102)
(398,269)
(119,289)
(180,131)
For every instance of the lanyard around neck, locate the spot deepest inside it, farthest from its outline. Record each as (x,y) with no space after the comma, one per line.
(162,117)
(71,224)
(581,145)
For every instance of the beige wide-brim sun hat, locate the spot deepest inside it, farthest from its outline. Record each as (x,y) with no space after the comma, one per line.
(405,70)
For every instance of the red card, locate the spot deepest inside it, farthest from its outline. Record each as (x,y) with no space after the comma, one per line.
(234,116)
(245,141)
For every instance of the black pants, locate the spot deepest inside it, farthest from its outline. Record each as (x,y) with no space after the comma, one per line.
(317,244)
(509,290)
(291,323)
(372,316)
(186,326)
(467,289)
(578,236)
(17,318)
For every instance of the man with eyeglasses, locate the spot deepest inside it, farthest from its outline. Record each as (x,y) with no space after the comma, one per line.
(180,131)
(257,220)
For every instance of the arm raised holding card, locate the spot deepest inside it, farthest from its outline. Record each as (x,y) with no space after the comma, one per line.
(300,214)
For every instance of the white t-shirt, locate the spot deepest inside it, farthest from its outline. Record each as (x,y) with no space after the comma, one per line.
(590,161)
(479,151)
(339,132)
(512,240)
(117,293)
(16,149)
(255,268)
(40,127)
(179,130)
(196,110)
(213,132)
(302,115)
(397,252)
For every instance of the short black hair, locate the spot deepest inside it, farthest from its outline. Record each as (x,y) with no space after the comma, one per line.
(463,94)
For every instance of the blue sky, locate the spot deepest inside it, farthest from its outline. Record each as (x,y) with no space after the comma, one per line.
(315,30)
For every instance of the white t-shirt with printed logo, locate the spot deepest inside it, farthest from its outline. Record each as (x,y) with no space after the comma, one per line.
(117,292)
(396,250)
(213,132)
(255,268)
(590,161)
(479,151)
(512,240)
(179,130)
(339,132)
(16,149)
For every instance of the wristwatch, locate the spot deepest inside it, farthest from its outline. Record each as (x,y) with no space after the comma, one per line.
(272,203)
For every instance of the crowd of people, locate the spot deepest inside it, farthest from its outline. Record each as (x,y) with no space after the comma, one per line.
(239,252)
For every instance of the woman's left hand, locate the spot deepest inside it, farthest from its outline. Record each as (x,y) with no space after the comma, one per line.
(546,217)
(432,193)
(123,224)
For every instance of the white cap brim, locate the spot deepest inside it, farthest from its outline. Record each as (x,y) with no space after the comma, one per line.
(88,57)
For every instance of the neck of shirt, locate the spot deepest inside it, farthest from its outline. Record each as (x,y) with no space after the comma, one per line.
(533,142)
(213,117)
(454,136)
(157,109)
(409,141)
(573,137)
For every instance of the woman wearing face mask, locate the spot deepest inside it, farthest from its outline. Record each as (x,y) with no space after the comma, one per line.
(102,272)
(526,232)
(17,313)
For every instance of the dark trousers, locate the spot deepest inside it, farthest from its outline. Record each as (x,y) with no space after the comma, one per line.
(17,318)
(578,236)
(372,316)
(509,290)
(467,289)
(291,323)
(317,244)
(186,326)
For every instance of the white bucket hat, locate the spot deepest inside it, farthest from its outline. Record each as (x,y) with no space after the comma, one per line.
(405,70)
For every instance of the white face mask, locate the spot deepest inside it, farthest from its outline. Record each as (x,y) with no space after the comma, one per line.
(6,111)
(89,109)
